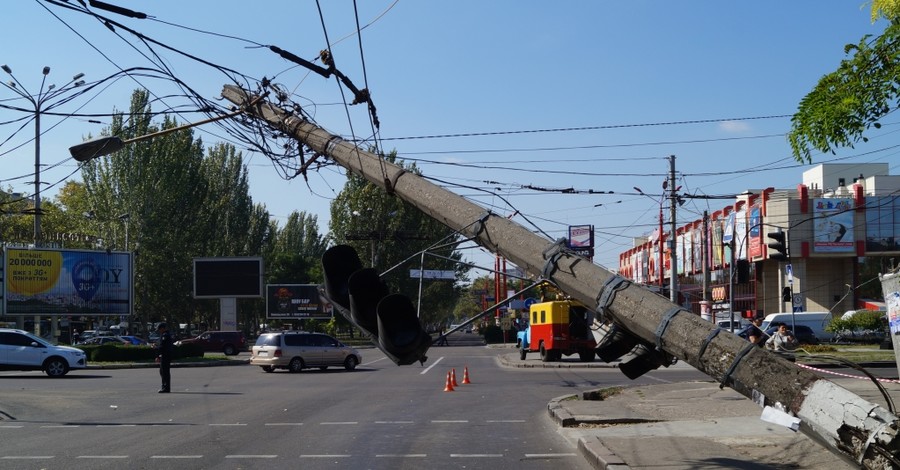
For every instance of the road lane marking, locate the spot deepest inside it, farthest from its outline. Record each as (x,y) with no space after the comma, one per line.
(283,424)
(476,455)
(251,456)
(506,421)
(227,424)
(11,426)
(325,456)
(373,362)
(26,457)
(429,367)
(401,456)
(102,457)
(176,456)
(331,423)
(549,456)
(51,426)
(443,421)
(394,422)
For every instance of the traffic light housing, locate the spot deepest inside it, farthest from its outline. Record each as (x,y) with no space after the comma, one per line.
(643,357)
(778,250)
(361,296)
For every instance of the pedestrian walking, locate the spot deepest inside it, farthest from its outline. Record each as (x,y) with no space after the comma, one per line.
(164,357)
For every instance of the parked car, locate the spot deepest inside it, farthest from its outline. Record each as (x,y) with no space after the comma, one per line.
(20,350)
(228,342)
(134,340)
(104,340)
(295,351)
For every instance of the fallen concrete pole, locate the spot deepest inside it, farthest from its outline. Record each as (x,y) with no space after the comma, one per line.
(861,432)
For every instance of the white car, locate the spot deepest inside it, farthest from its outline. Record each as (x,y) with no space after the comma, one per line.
(21,350)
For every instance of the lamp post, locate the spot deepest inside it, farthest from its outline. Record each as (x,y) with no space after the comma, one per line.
(41,102)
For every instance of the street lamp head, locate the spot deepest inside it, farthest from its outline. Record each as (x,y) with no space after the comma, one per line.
(6,68)
(46,70)
(76,77)
(94,148)
(78,83)
(52,86)
(638,189)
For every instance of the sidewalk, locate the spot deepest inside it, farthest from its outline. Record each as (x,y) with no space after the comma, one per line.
(692,425)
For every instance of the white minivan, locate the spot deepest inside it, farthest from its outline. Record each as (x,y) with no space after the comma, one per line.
(816,321)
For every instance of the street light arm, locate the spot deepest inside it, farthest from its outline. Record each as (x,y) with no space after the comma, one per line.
(102,146)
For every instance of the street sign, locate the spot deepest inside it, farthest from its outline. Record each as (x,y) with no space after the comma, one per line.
(797,302)
(433,274)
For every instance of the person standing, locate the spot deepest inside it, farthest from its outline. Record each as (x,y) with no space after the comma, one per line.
(164,357)
(756,335)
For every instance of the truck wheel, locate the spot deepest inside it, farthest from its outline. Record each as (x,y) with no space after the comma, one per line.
(522,352)
(546,356)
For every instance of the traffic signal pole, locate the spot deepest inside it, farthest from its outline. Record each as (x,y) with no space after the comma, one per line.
(861,432)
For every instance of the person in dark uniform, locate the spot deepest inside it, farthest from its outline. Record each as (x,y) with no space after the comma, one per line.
(164,349)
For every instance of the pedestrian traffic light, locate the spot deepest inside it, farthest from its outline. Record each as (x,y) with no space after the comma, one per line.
(360,296)
(778,250)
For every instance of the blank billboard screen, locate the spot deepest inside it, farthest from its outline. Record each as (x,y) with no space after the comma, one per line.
(228,277)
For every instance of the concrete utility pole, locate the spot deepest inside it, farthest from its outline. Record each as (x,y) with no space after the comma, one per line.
(673,239)
(861,432)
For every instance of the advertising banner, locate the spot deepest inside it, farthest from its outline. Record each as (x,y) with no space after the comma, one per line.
(295,301)
(754,237)
(833,227)
(67,282)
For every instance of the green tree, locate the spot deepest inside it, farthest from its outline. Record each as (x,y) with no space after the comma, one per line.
(387,233)
(847,102)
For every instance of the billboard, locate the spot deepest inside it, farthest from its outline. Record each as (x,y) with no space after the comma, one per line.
(295,301)
(67,282)
(239,277)
(833,227)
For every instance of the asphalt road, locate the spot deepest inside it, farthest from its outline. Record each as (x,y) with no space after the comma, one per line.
(379,416)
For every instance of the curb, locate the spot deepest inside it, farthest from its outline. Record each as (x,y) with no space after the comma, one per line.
(590,447)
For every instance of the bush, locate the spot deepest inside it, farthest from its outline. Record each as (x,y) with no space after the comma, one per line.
(123,353)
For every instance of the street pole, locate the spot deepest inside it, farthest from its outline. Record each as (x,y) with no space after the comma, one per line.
(673,240)
(43,97)
(846,424)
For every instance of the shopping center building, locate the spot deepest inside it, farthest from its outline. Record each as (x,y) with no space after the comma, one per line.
(838,215)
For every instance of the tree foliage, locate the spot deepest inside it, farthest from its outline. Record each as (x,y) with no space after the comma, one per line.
(852,99)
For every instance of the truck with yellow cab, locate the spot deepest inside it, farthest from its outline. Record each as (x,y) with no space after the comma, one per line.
(559,328)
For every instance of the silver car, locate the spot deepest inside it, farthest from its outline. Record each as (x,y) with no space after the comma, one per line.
(298,350)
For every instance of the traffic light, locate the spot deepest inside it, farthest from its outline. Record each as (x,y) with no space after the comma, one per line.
(361,296)
(778,250)
(642,359)
(786,294)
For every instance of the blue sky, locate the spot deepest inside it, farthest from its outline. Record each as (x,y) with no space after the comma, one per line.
(709,82)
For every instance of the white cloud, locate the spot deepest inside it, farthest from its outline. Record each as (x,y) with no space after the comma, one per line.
(734,126)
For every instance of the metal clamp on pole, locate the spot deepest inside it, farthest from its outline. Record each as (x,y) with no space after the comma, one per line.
(608,291)
(737,359)
(552,254)
(712,334)
(661,329)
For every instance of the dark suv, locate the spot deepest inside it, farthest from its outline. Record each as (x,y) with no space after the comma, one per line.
(228,342)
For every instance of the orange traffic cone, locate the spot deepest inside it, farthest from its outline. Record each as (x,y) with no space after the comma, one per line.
(453,377)
(449,386)
(466,375)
